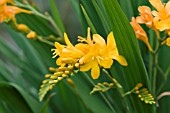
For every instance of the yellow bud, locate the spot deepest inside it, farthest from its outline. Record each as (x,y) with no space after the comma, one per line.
(111,84)
(58,73)
(70,82)
(47,75)
(70,67)
(51,82)
(103,90)
(51,87)
(146,102)
(42,86)
(45,81)
(31,35)
(139,96)
(23,28)
(139,85)
(53,77)
(64,75)
(137,91)
(105,83)
(62,68)
(77,65)
(60,78)
(67,72)
(142,99)
(67,60)
(52,69)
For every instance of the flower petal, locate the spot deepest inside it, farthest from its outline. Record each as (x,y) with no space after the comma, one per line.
(167,8)
(111,41)
(106,63)
(121,60)
(59,47)
(87,66)
(95,71)
(163,25)
(157,4)
(168,41)
(90,42)
(67,40)
(98,39)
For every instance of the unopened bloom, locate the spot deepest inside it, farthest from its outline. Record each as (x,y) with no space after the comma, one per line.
(140,33)
(23,28)
(31,35)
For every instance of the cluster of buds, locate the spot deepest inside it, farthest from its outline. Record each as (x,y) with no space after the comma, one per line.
(102,87)
(144,94)
(59,74)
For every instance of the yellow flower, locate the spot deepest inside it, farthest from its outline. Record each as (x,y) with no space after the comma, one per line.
(101,54)
(162,15)
(140,33)
(67,54)
(145,16)
(88,53)
(9,12)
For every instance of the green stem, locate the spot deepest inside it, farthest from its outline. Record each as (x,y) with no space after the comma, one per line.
(103,96)
(45,41)
(120,89)
(162,85)
(54,24)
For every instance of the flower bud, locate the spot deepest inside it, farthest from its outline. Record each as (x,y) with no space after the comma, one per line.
(31,35)
(23,28)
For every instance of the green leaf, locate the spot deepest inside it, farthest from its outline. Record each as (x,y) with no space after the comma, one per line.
(16,99)
(126,41)
(56,15)
(88,20)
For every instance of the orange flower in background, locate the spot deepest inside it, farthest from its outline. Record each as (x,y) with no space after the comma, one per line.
(140,33)
(145,16)
(9,12)
(162,15)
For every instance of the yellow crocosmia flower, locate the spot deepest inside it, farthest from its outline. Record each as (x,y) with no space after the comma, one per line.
(140,33)
(162,15)
(101,55)
(168,41)
(93,60)
(67,54)
(145,16)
